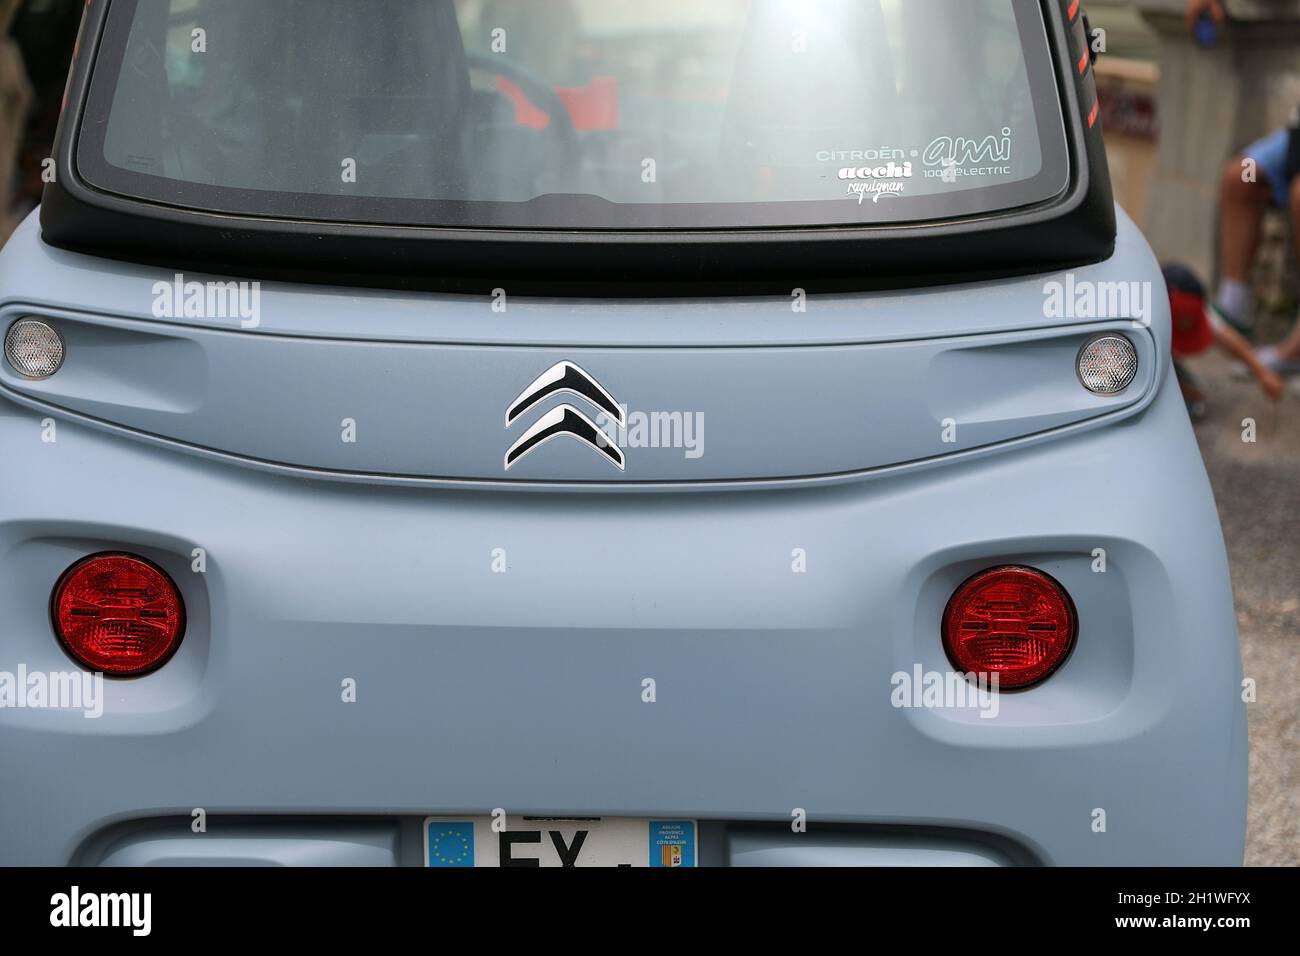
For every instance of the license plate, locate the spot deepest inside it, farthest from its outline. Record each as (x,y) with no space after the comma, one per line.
(558,841)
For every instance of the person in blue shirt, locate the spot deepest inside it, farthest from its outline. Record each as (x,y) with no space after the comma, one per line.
(1263,175)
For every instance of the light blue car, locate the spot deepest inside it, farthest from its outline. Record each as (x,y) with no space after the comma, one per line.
(491,432)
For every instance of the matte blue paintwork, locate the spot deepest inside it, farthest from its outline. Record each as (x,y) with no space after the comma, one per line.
(523,689)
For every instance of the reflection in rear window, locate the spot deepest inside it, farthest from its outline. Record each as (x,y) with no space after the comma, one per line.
(578,113)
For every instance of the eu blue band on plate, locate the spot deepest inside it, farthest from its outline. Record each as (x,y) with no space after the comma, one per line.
(451,844)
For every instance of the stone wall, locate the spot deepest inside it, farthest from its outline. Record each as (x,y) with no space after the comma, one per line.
(15,98)
(1212,104)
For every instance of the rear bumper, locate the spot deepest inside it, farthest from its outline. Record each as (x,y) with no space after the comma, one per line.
(399,841)
(523,689)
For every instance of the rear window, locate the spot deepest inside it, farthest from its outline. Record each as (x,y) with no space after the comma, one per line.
(578,114)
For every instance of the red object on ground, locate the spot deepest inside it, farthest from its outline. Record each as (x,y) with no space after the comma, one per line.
(1192,333)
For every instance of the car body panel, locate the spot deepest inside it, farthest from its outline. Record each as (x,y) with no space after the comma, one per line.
(499,639)
(838,385)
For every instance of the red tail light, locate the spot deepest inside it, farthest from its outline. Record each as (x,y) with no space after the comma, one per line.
(118,613)
(1015,622)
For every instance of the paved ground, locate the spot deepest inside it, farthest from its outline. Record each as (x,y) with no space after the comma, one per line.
(1258,490)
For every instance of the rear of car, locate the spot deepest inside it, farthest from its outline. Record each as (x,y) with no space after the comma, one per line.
(700,433)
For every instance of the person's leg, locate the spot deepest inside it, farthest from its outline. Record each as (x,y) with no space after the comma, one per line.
(1241,210)
(1246,190)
